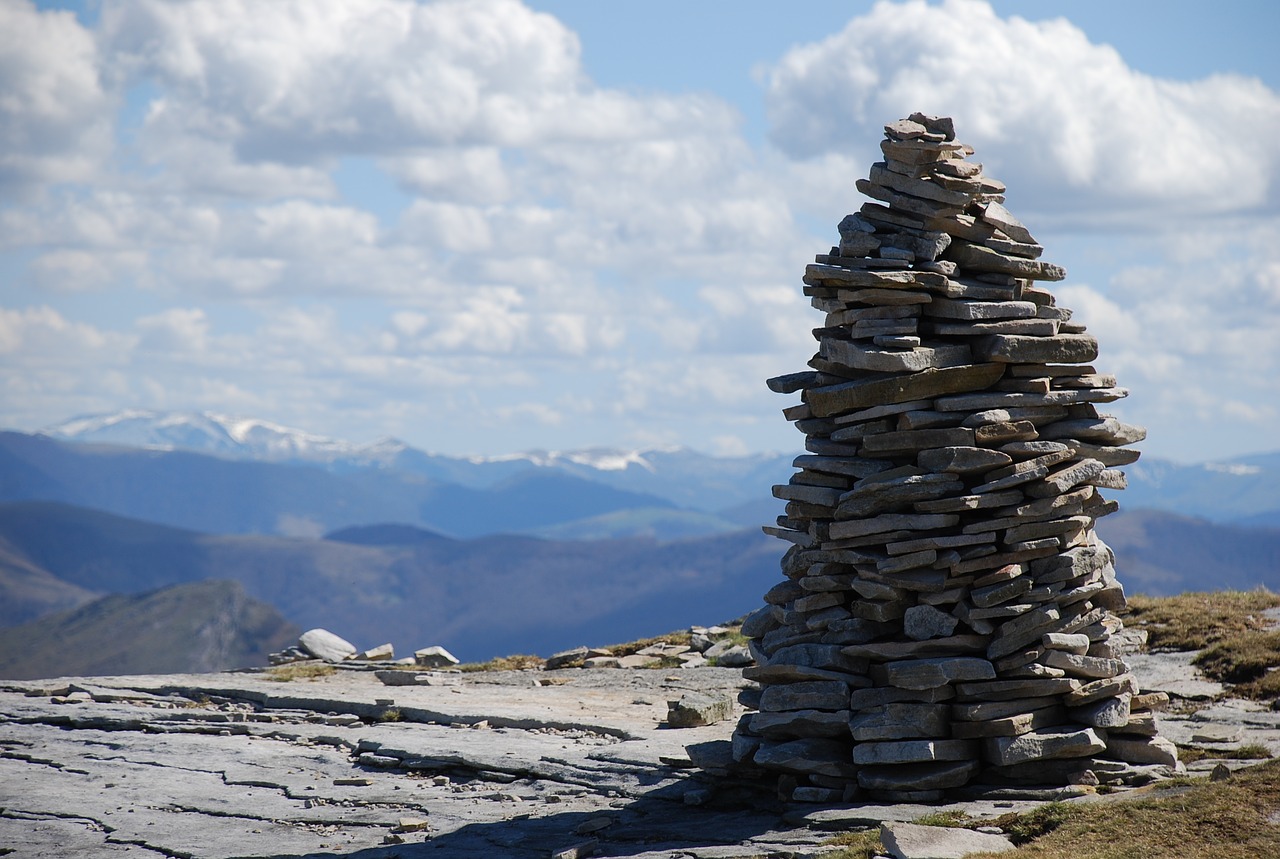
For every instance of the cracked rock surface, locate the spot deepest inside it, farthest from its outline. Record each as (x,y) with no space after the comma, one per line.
(225,765)
(517,763)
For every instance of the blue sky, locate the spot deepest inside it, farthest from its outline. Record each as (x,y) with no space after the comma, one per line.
(486,227)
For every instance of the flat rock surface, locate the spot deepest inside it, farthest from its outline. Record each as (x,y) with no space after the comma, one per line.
(224,765)
(1173,673)
(513,764)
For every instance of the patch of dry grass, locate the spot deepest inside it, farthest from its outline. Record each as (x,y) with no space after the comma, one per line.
(517,662)
(1248,662)
(1194,621)
(1227,626)
(299,671)
(864,844)
(1238,818)
(627,649)
(1230,819)
(1245,752)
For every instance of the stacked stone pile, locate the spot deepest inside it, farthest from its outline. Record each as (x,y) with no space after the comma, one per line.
(948,612)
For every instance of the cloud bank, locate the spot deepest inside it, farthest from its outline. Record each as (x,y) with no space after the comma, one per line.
(426,219)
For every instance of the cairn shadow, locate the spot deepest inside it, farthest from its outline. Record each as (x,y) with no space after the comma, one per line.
(732,812)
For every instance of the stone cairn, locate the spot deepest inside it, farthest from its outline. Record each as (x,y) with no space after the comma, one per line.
(947,618)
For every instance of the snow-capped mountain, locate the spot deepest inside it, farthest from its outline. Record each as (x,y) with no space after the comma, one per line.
(219,435)
(685,477)
(1241,490)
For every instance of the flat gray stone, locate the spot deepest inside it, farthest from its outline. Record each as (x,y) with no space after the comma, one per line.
(1106,431)
(1105,688)
(964,460)
(853,354)
(865,699)
(900,721)
(891,522)
(1064,479)
(879,496)
(1044,744)
(694,709)
(912,841)
(928,776)
(1107,713)
(1023,349)
(836,399)
(924,621)
(1002,219)
(914,751)
(909,440)
(1143,750)
(928,673)
(1010,726)
(807,757)
(801,724)
(1077,665)
(947,308)
(978,258)
(810,695)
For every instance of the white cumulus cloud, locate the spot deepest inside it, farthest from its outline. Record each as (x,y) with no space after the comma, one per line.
(1065,122)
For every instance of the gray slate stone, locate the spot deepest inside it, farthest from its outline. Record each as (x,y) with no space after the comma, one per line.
(900,721)
(1023,349)
(912,841)
(808,757)
(962,459)
(1045,744)
(808,695)
(939,775)
(914,751)
(1143,750)
(928,673)
(693,709)
(924,621)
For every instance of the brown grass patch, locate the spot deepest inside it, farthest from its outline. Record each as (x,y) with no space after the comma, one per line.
(517,662)
(680,638)
(1248,662)
(299,671)
(1231,819)
(1194,621)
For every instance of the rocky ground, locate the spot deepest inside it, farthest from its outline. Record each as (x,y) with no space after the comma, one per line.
(568,763)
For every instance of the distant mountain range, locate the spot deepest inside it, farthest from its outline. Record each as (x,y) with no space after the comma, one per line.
(118,516)
(683,477)
(214,495)
(721,493)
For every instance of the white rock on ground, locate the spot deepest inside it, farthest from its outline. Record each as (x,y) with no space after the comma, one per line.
(323,644)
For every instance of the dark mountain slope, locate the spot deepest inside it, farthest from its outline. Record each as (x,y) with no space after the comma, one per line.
(1161,554)
(480,598)
(204,626)
(388,534)
(28,591)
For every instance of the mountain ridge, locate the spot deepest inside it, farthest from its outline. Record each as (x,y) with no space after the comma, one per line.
(209,625)
(1243,489)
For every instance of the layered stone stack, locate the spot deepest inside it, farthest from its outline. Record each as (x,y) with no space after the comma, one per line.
(948,613)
